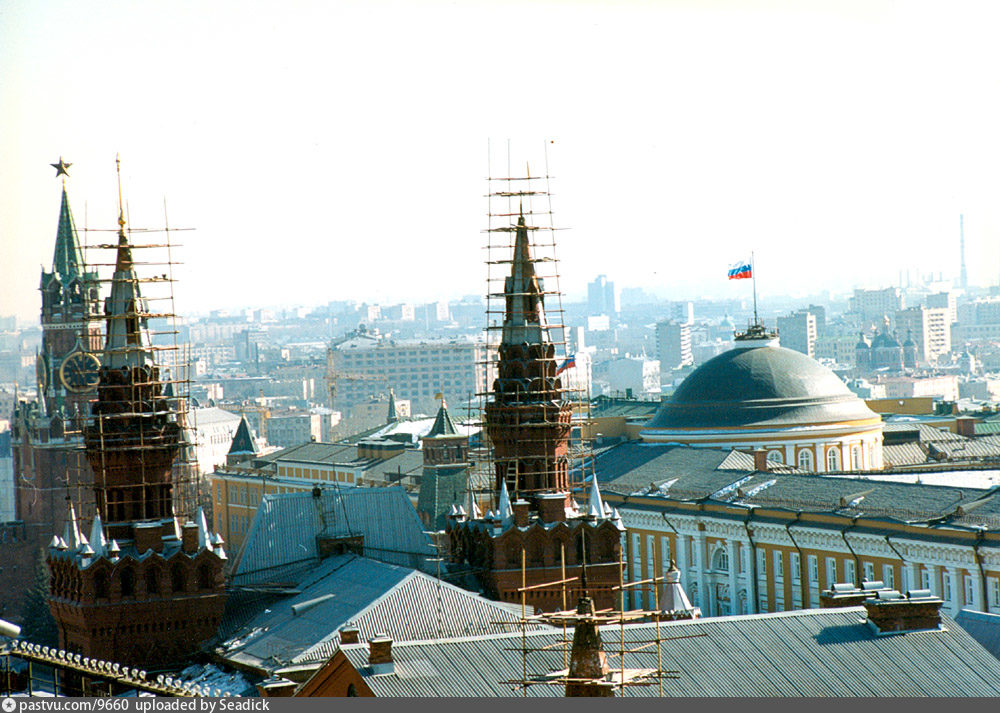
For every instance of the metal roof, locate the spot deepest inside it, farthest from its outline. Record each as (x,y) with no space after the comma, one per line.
(282,538)
(821,653)
(983,627)
(682,473)
(760,385)
(374,597)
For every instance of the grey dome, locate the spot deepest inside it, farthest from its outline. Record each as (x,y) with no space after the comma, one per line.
(765,385)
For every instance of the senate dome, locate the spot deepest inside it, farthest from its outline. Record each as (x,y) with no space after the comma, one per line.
(760,395)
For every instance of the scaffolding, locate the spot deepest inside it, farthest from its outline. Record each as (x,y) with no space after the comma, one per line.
(552,401)
(137,446)
(618,674)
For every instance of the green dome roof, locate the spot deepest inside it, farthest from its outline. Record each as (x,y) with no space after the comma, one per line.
(757,386)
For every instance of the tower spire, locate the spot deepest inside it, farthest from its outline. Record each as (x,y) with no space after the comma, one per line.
(67,259)
(127,342)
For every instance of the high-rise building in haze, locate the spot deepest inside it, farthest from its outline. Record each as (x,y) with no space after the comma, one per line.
(602,298)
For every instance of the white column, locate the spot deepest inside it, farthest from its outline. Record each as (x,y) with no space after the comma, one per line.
(699,564)
(734,560)
(977,589)
(935,572)
(957,589)
(683,547)
(913,575)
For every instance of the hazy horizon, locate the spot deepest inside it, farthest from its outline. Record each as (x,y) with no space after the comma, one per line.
(331,151)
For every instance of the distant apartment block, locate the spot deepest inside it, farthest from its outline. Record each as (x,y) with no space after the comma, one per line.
(602,297)
(906,387)
(673,344)
(366,365)
(293,428)
(637,376)
(930,329)
(872,305)
(945,300)
(797,331)
(840,349)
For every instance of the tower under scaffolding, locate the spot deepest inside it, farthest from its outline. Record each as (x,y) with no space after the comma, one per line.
(533,456)
(543,372)
(590,666)
(144,417)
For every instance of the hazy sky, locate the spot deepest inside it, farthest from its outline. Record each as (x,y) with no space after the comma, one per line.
(338,150)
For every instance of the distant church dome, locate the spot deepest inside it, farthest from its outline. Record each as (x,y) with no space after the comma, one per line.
(761,395)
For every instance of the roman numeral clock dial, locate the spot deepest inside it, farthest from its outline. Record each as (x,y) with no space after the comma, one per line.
(80,372)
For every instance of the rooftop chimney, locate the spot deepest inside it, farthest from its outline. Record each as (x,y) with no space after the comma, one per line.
(760,460)
(349,635)
(890,612)
(521,510)
(380,650)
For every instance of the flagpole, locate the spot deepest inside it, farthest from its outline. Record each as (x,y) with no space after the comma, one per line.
(753,274)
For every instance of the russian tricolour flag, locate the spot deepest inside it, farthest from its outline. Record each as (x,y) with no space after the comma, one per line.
(567,364)
(740,270)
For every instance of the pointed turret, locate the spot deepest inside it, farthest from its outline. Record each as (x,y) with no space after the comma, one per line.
(595,507)
(443,425)
(127,342)
(504,511)
(243,446)
(588,664)
(393,415)
(71,535)
(524,318)
(67,260)
(97,539)
(674,602)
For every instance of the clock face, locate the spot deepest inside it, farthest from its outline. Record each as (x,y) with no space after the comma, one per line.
(41,372)
(80,372)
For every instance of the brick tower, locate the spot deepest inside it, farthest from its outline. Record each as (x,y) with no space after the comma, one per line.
(47,433)
(528,419)
(142,589)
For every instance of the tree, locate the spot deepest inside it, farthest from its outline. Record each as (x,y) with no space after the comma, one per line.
(39,625)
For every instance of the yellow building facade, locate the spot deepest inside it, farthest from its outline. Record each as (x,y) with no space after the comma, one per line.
(745,558)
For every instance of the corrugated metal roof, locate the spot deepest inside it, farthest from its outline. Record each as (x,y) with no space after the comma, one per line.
(903,454)
(373,596)
(983,627)
(282,537)
(823,653)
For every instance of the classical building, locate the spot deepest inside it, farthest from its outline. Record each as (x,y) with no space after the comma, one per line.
(753,539)
(759,395)
(142,589)
(538,534)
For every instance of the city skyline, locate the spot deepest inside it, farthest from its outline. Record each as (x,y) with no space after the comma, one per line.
(329,153)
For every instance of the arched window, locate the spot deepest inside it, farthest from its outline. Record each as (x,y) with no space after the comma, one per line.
(833,460)
(177,578)
(352,692)
(856,457)
(775,457)
(127,579)
(720,560)
(205,578)
(152,581)
(101,585)
(806,460)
